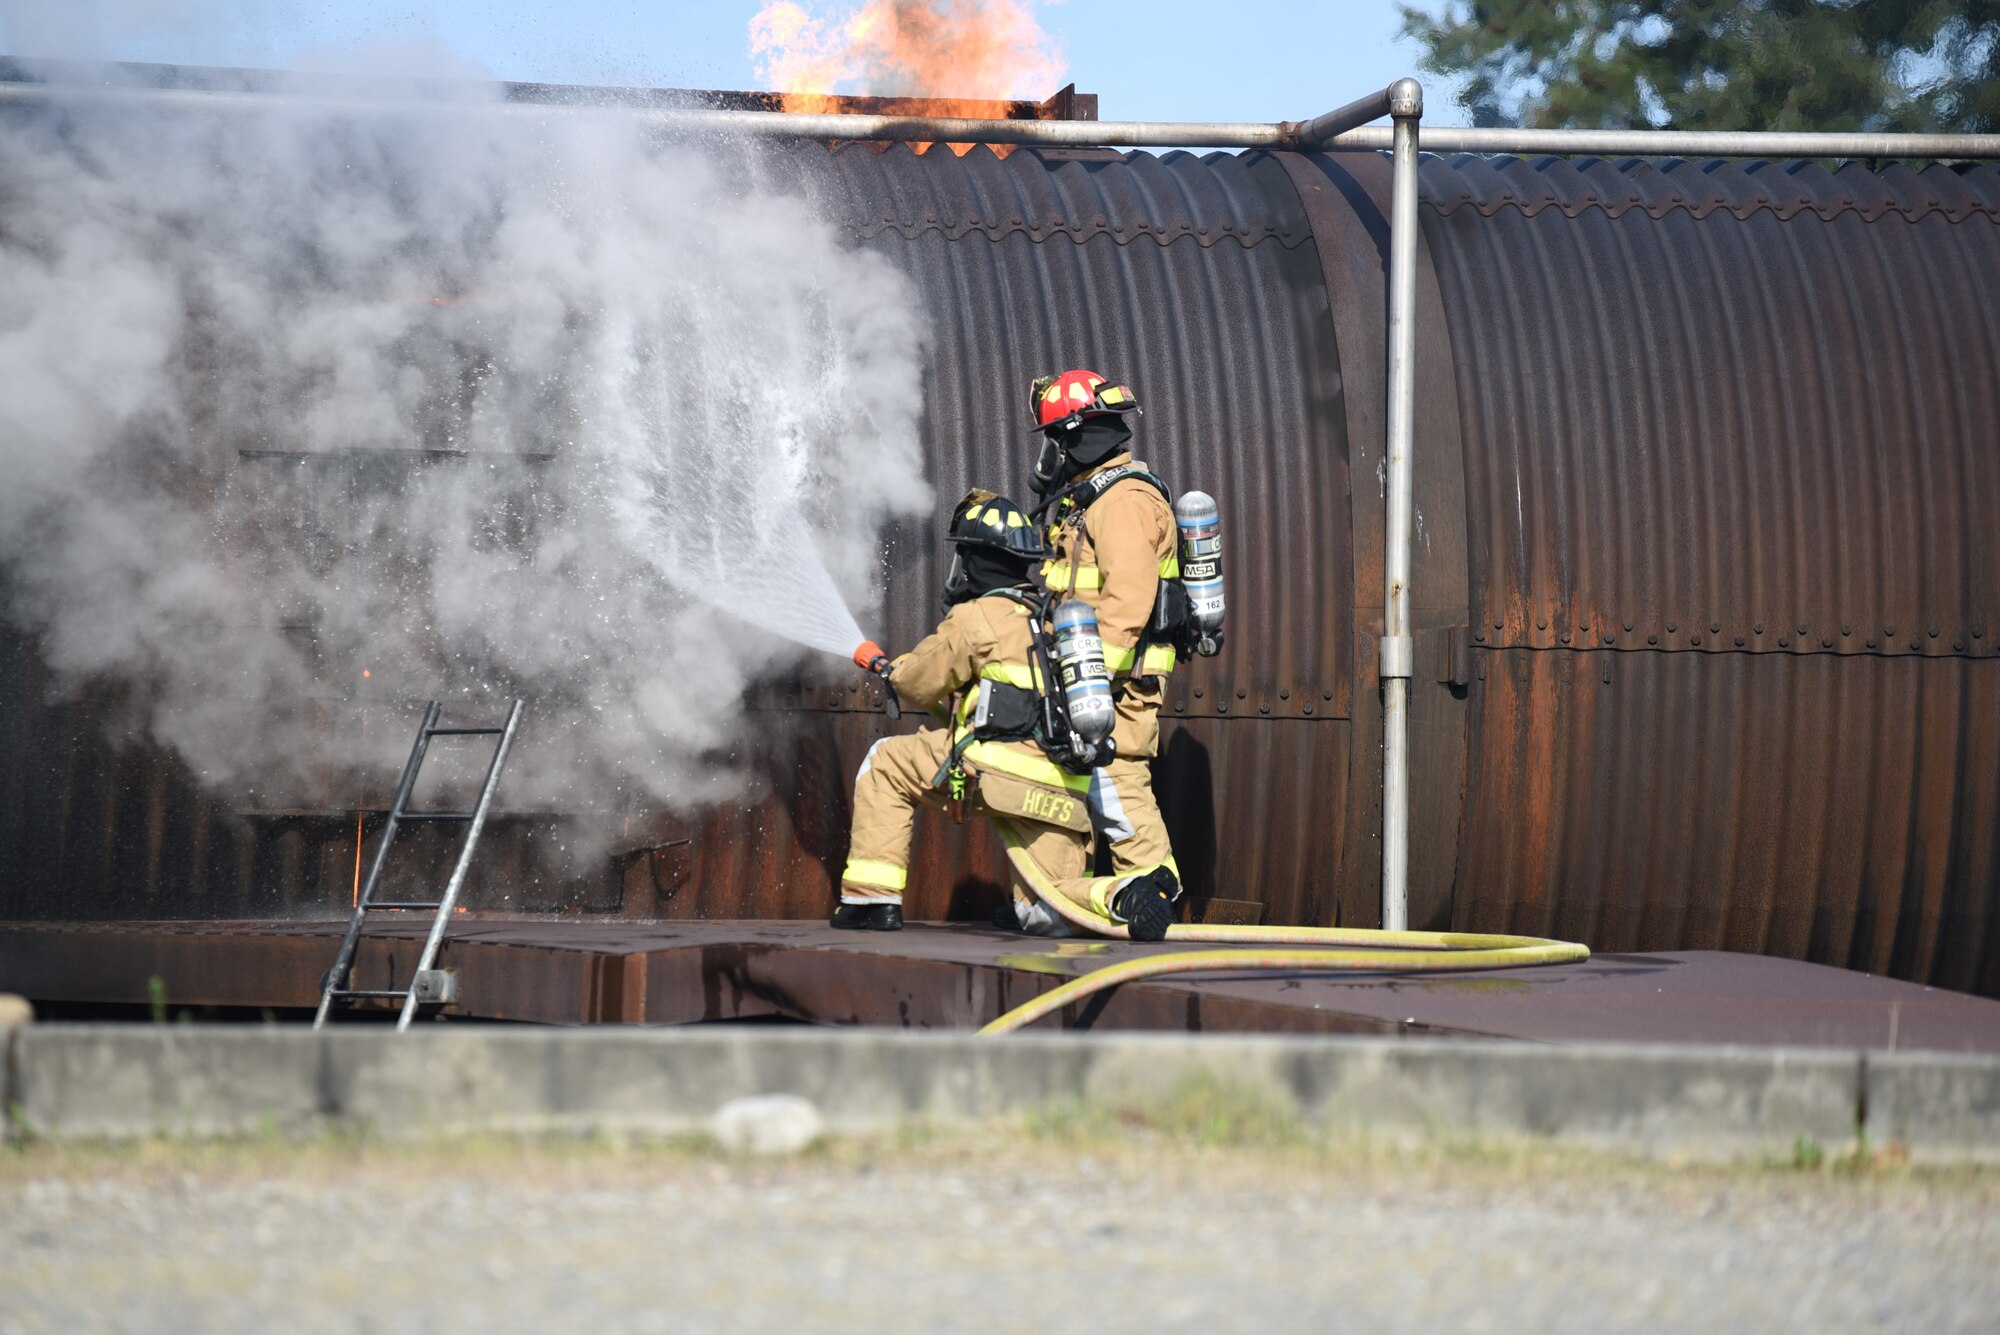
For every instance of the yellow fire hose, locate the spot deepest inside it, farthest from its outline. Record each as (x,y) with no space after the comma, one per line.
(1364,950)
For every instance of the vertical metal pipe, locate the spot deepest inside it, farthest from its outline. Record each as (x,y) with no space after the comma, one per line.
(1406,109)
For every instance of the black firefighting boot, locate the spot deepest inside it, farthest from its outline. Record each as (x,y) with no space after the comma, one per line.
(1145,904)
(869,917)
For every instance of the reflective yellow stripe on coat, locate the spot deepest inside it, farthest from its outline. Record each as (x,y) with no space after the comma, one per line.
(1089,579)
(1158,662)
(1003,757)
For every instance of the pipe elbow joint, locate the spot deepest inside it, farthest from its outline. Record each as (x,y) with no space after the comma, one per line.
(1406,99)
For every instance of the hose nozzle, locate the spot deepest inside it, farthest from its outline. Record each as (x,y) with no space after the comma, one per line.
(870,658)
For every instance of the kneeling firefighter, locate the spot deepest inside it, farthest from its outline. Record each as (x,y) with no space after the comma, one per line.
(1015,745)
(1116,540)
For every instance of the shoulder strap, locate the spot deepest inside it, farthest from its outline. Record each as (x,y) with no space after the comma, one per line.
(1021,594)
(1081,494)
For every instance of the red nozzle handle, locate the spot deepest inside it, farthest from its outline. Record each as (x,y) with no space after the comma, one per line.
(870,658)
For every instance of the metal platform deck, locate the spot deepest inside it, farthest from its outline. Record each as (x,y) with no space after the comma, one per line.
(957,976)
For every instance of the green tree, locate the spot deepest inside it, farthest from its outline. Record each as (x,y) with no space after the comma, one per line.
(1912,65)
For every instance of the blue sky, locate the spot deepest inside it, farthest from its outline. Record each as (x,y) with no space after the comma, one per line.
(1165,60)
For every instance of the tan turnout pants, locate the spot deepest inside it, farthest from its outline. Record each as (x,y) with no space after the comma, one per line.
(894,779)
(1122,805)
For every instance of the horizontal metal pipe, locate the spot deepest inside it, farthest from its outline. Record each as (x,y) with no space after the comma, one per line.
(1707,143)
(1131,134)
(1356,113)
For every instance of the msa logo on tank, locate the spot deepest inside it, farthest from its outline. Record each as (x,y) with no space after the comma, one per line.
(1086,681)
(1199,522)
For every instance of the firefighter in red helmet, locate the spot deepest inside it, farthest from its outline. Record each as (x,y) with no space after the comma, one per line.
(1109,526)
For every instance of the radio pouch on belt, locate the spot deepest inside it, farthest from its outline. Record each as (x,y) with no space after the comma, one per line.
(1005,713)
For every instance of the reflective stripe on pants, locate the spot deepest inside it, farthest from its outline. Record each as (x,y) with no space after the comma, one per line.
(1126,813)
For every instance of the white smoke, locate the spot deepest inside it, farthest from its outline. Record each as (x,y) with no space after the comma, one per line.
(475,400)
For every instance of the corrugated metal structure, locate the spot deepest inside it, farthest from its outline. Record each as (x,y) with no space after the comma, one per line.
(1707,578)
(1733,490)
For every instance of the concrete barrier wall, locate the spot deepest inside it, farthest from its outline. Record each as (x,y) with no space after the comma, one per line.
(102,1081)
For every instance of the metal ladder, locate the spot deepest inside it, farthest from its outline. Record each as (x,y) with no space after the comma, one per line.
(428,985)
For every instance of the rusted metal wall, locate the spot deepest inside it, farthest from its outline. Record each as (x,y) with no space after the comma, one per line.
(1708,582)
(1732,462)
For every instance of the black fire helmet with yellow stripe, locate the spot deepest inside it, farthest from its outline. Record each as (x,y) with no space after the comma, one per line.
(994,544)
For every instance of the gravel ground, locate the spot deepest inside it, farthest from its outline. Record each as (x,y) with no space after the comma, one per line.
(998,1232)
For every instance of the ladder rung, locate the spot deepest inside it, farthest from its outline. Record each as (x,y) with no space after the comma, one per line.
(389,904)
(464,732)
(368,992)
(435,815)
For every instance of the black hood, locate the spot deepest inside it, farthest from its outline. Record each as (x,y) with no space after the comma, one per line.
(978,570)
(1068,455)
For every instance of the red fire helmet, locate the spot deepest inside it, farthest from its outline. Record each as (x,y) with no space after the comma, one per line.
(1066,399)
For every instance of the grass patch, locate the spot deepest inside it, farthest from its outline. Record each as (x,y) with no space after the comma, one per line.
(1202,1112)
(1205,1127)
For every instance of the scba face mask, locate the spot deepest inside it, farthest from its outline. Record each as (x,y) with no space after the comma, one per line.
(1050,465)
(957,582)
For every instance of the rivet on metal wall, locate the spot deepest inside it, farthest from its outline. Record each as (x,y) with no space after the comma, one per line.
(1739,641)
(1784,642)
(1826,641)
(1285,693)
(1242,695)
(1958,645)
(1609,638)
(1326,695)
(1802,628)
(1934,632)
(1715,628)
(1672,627)
(1757,629)
(1565,637)
(1264,708)
(1652,639)
(1846,629)
(1198,692)
(1628,625)
(1541,623)
(1479,635)
(1694,639)
(1308,709)
(1871,641)
(1889,632)
(1978,634)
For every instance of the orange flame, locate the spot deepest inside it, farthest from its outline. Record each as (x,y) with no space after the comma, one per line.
(959,56)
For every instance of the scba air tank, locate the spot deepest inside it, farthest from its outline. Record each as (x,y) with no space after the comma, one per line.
(1200,523)
(1086,682)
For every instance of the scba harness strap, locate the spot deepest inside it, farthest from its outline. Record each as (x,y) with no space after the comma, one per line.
(1080,494)
(1159,649)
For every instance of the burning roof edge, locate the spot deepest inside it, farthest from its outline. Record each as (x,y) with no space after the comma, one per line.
(1065,104)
